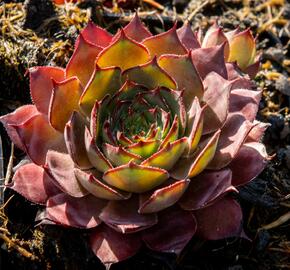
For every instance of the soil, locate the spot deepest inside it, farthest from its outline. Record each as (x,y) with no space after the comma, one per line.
(38,33)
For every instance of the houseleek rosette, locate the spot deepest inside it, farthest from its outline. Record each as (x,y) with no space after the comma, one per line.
(142,138)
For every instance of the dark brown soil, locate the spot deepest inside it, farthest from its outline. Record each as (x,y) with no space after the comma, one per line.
(38,33)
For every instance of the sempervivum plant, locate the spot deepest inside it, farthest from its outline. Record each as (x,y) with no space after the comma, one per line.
(142,138)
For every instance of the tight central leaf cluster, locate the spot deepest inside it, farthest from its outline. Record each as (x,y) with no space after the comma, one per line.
(143,138)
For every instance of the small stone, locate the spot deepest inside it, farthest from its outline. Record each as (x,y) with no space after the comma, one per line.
(274,54)
(283,85)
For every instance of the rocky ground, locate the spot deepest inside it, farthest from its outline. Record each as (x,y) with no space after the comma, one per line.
(38,33)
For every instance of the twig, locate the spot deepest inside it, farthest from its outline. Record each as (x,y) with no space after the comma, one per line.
(281,220)
(198,9)
(10,243)
(9,167)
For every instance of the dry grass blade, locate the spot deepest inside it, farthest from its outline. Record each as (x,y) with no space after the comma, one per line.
(281,220)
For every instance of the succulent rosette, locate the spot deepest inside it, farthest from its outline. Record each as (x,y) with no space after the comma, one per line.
(143,139)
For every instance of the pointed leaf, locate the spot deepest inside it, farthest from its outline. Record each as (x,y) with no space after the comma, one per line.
(41,85)
(64,101)
(255,156)
(211,59)
(149,75)
(37,136)
(172,134)
(82,62)
(257,132)
(19,116)
(242,49)
(215,36)
(124,217)
(187,37)
(192,166)
(205,188)
(183,71)
(246,102)
(61,168)
(144,148)
(96,35)
(119,156)
(167,156)
(74,134)
(33,183)
(231,139)
(135,178)
(136,30)
(165,43)
(163,197)
(112,247)
(75,212)
(98,188)
(96,157)
(196,129)
(124,53)
(216,97)
(103,81)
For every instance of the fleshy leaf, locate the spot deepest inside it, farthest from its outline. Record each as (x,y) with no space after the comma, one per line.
(163,197)
(242,49)
(33,183)
(103,81)
(187,37)
(98,188)
(37,136)
(165,43)
(172,134)
(64,101)
(136,30)
(183,71)
(96,157)
(214,222)
(174,230)
(257,132)
(255,156)
(211,59)
(135,178)
(205,188)
(231,139)
(149,75)
(119,156)
(41,85)
(75,212)
(61,168)
(216,97)
(74,134)
(124,217)
(124,53)
(246,102)
(215,36)
(19,116)
(144,148)
(111,246)
(167,156)
(253,69)
(192,166)
(82,62)
(196,129)
(96,35)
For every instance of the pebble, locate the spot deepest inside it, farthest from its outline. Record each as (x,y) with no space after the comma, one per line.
(282,84)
